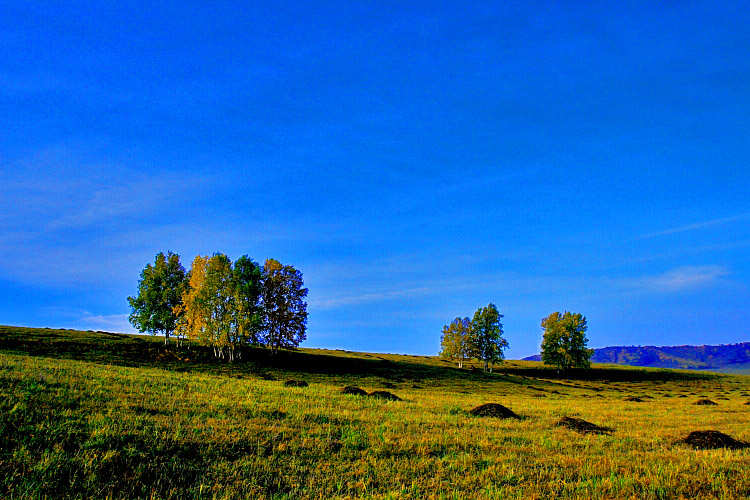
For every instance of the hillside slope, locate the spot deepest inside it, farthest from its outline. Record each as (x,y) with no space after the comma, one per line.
(728,358)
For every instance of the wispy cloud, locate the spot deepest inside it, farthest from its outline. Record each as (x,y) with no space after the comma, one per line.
(684,278)
(348,300)
(696,226)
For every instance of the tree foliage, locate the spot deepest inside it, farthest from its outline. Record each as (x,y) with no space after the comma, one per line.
(481,337)
(283,305)
(221,307)
(160,290)
(488,340)
(564,341)
(457,341)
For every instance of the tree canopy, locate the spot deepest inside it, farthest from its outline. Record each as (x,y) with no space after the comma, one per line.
(160,290)
(283,306)
(564,341)
(489,343)
(222,305)
(457,342)
(481,337)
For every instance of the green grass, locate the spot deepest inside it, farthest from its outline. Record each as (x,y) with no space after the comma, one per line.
(96,415)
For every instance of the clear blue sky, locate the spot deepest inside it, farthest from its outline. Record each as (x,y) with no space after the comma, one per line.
(415,162)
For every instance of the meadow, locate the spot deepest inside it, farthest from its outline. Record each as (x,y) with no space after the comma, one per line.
(101,415)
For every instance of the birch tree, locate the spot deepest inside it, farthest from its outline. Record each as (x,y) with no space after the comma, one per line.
(283,306)
(160,291)
(488,336)
(457,341)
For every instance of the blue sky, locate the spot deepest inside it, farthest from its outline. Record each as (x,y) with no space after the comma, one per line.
(415,162)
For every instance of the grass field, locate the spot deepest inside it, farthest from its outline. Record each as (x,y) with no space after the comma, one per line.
(98,415)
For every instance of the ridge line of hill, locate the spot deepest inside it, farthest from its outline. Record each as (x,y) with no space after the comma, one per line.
(725,358)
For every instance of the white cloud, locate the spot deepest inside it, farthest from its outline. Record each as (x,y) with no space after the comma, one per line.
(685,278)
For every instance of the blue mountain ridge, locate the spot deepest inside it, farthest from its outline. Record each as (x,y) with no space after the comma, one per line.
(729,358)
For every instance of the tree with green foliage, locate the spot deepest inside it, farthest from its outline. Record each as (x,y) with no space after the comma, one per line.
(221,308)
(160,290)
(248,281)
(283,306)
(457,341)
(564,341)
(488,341)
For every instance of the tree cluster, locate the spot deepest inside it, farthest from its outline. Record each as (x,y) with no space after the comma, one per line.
(222,305)
(479,338)
(563,344)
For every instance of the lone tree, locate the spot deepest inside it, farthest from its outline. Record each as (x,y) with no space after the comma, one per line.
(160,291)
(283,305)
(457,341)
(564,341)
(488,340)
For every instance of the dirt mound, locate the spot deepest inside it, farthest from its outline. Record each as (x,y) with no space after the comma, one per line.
(711,440)
(582,426)
(705,402)
(384,395)
(493,410)
(353,389)
(295,383)
(634,399)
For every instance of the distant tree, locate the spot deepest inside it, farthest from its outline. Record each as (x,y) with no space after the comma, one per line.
(488,340)
(221,308)
(457,341)
(160,290)
(564,341)
(283,305)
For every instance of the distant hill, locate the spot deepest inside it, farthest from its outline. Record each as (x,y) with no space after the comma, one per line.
(726,358)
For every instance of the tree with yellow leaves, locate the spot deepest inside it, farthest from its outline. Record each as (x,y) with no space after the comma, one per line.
(221,307)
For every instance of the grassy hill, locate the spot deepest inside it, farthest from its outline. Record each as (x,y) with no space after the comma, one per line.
(103,415)
(725,358)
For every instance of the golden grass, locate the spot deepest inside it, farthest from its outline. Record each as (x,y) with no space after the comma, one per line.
(74,428)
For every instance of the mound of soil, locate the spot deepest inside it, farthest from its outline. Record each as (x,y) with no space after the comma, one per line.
(582,426)
(634,399)
(353,389)
(705,402)
(295,383)
(493,410)
(711,440)
(384,395)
